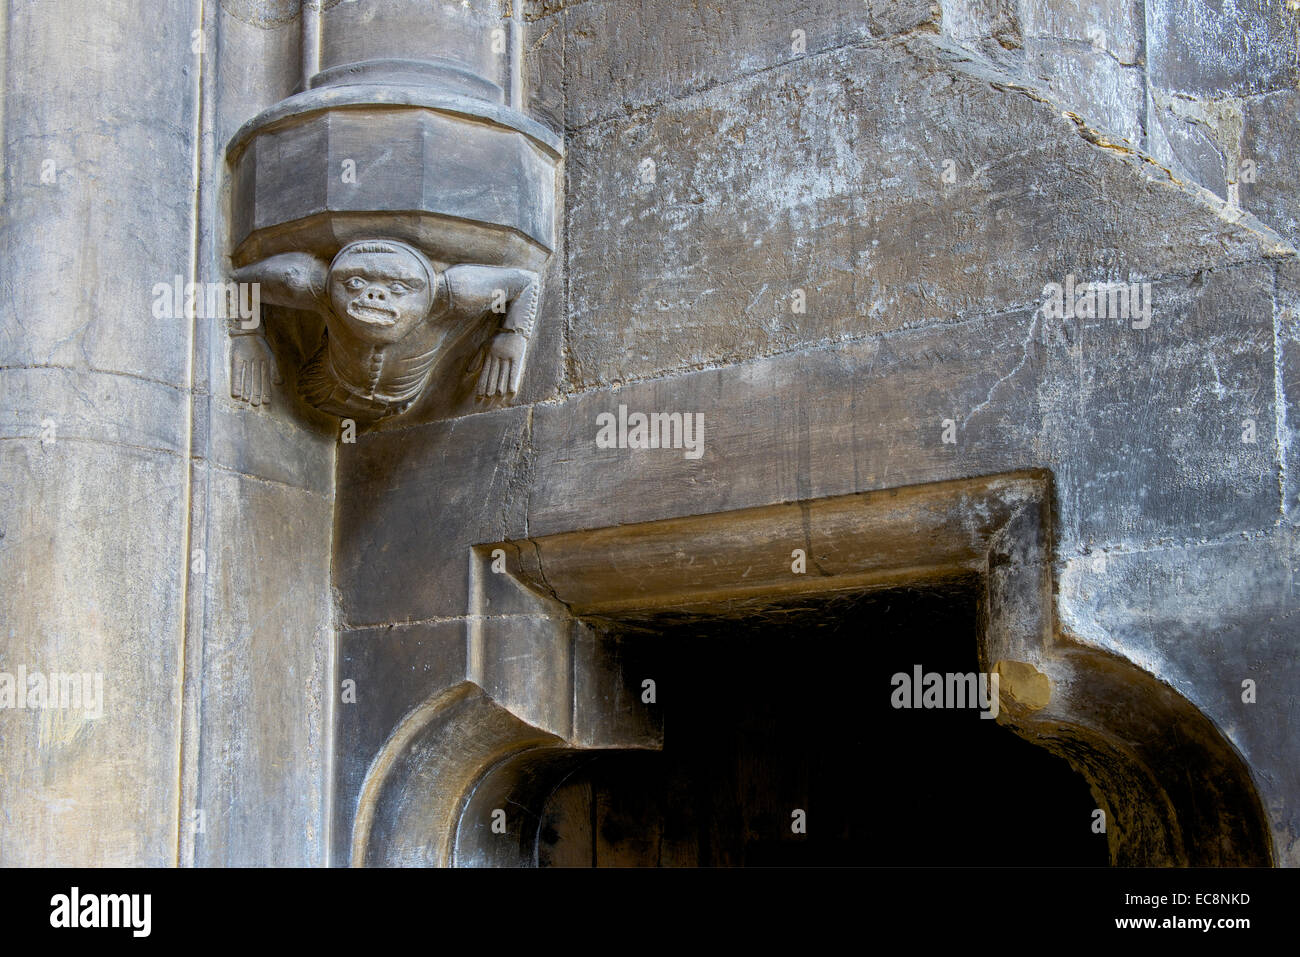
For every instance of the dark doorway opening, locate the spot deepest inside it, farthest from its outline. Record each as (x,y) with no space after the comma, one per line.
(788,709)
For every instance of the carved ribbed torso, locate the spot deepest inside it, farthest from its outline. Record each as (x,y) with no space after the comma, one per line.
(376,377)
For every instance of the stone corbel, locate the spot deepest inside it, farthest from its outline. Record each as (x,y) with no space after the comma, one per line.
(408,208)
(389,312)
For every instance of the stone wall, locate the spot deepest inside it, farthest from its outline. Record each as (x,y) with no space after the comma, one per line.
(98,206)
(1206,89)
(826,227)
(799,154)
(151,530)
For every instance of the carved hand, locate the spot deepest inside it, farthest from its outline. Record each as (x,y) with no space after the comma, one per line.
(503,364)
(252,370)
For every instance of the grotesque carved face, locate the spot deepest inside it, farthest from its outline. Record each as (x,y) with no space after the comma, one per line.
(380,289)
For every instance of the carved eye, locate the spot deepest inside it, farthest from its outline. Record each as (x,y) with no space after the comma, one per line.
(355,283)
(400,287)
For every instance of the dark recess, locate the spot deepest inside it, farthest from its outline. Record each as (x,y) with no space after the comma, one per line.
(791,709)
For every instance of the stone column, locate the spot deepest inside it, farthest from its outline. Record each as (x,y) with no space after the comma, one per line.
(99,122)
(375,36)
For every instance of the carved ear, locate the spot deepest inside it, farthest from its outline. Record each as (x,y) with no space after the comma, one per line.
(296,280)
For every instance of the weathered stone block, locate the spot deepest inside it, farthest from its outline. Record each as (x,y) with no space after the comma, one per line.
(93,406)
(1190,147)
(1107,93)
(800,426)
(266,649)
(1173,429)
(827,177)
(1114,28)
(428,493)
(1202,47)
(624,57)
(1286,320)
(1270,129)
(543,71)
(1167,608)
(393,668)
(264,446)
(91,589)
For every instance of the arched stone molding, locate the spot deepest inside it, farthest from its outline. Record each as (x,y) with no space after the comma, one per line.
(1173,788)
(417,786)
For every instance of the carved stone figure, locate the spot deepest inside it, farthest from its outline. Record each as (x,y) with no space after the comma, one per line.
(389,314)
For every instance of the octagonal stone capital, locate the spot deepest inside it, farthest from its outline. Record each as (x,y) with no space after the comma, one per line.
(460,177)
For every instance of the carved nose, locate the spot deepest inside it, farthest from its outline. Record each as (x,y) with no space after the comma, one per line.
(375,294)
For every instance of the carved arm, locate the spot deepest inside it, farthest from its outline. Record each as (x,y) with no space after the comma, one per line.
(289,279)
(514,292)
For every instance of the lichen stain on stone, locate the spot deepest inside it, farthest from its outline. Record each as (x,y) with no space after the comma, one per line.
(1024,683)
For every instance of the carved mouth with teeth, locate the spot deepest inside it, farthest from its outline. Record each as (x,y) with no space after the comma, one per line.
(372,314)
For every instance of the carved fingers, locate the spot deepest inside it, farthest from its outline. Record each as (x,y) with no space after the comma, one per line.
(253,370)
(503,365)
